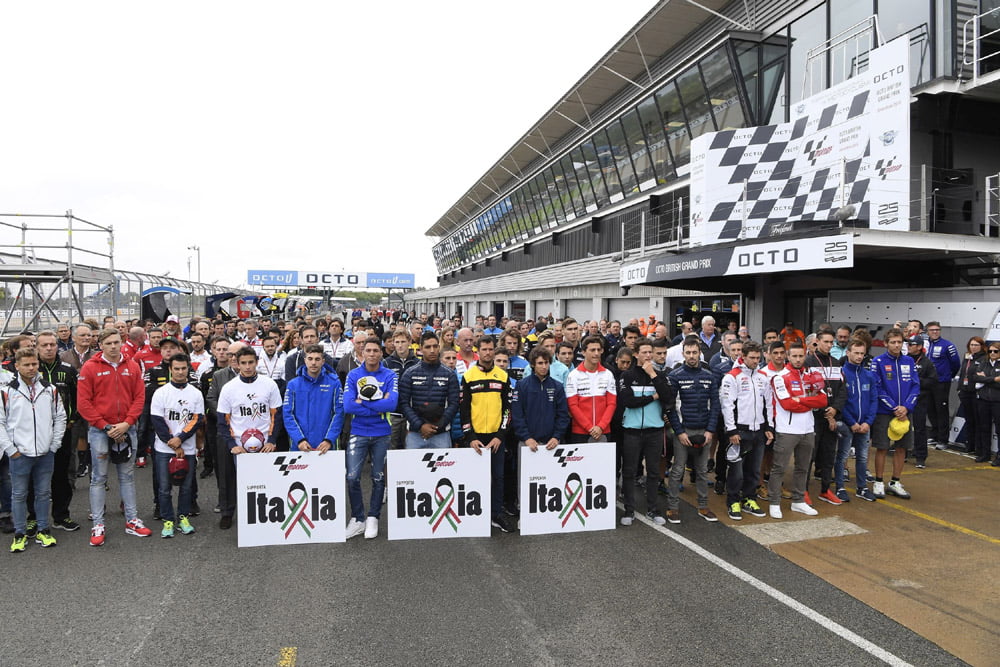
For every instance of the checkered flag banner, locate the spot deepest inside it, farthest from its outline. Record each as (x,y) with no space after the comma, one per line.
(846,145)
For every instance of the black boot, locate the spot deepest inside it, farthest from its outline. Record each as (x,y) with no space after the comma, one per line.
(83,466)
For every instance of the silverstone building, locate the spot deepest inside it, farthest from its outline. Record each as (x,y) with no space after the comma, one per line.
(765,161)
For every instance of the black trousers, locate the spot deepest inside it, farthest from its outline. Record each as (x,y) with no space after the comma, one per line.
(225,470)
(939,411)
(987,419)
(641,445)
(920,411)
(825,451)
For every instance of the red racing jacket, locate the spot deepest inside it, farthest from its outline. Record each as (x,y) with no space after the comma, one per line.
(591,397)
(108,395)
(795,416)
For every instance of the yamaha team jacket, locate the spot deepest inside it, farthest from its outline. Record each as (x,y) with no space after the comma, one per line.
(371,415)
(539,409)
(428,389)
(898,382)
(945,358)
(861,398)
(313,409)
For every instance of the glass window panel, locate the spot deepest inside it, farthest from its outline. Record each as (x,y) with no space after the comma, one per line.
(540,194)
(606,162)
(846,58)
(535,216)
(896,17)
(723,90)
(694,98)
(555,197)
(593,169)
(528,216)
(748,58)
(583,178)
(622,154)
(635,145)
(566,182)
(674,124)
(656,140)
(807,33)
(772,81)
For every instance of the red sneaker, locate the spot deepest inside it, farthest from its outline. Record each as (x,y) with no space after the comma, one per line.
(806,499)
(97,535)
(135,527)
(140,462)
(830,497)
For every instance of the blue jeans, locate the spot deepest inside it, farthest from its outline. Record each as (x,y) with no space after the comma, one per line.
(165,488)
(25,472)
(860,442)
(436,441)
(99,461)
(359,447)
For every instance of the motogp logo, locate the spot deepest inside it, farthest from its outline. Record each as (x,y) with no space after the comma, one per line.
(434,462)
(563,456)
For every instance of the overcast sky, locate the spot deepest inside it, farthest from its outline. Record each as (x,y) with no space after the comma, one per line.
(294,135)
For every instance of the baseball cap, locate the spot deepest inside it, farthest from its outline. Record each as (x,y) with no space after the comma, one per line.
(915,340)
(177,469)
(172,341)
(898,428)
(174,319)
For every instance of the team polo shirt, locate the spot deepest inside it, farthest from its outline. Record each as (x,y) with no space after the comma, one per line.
(249,404)
(179,407)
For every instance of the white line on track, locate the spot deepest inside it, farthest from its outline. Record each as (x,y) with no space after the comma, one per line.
(790,602)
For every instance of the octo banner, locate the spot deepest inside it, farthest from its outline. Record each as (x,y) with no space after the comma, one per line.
(290,498)
(568,489)
(437,493)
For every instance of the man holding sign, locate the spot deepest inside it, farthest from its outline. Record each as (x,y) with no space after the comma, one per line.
(369,395)
(539,410)
(248,404)
(485,409)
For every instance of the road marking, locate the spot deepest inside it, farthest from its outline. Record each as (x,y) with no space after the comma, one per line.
(940,522)
(926,471)
(869,647)
(287,656)
(780,532)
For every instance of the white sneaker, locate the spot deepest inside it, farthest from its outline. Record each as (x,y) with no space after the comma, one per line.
(775,510)
(878,489)
(371,528)
(354,528)
(803,508)
(896,489)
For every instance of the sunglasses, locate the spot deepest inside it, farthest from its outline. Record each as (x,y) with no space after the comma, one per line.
(994,351)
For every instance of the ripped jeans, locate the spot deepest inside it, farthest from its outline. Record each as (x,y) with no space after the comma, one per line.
(359,447)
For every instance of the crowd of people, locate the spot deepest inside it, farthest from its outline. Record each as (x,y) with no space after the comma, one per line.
(762,417)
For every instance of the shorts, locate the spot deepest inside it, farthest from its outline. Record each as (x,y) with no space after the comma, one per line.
(880,435)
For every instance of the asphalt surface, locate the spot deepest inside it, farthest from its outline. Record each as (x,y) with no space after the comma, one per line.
(632,595)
